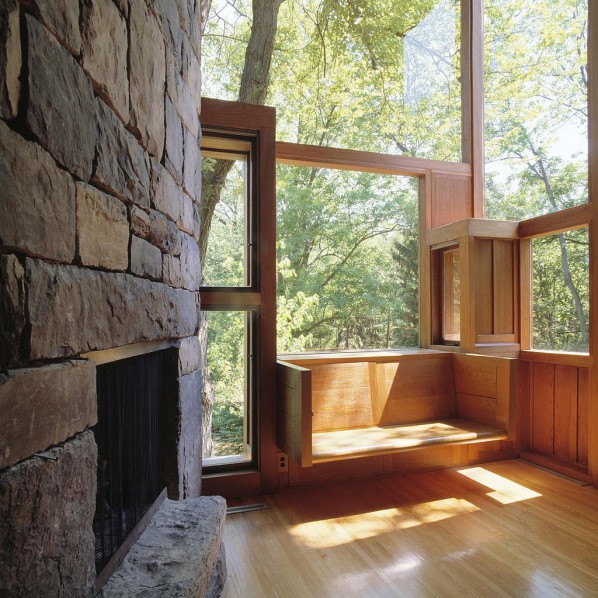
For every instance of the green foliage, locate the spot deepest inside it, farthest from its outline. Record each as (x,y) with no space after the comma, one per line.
(347,254)
(371,75)
(226,357)
(556,325)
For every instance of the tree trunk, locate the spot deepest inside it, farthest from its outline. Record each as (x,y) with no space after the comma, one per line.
(253,89)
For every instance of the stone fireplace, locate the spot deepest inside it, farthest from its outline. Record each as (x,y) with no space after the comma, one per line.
(99,190)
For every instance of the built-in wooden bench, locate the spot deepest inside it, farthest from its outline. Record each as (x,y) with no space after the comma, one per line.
(335,406)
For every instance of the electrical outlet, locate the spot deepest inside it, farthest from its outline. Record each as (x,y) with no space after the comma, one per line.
(283,462)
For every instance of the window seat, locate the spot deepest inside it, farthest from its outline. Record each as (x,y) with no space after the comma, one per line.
(338,406)
(342,444)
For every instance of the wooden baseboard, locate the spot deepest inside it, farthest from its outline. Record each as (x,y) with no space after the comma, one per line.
(572,470)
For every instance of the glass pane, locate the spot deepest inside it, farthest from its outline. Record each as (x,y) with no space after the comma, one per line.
(561,291)
(225,386)
(368,75)
(536,88)
(226,259)
(451,291)
(347,260)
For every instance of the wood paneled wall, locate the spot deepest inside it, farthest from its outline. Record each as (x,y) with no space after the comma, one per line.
(451,199)
(496,290)
(554,414)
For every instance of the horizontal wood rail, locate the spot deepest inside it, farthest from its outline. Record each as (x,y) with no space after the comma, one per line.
(557,222)
(297,154)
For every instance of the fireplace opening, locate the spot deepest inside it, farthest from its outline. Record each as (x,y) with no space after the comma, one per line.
(130,465)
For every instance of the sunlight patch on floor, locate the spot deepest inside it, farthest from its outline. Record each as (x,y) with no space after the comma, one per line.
(327,533)
(505,491)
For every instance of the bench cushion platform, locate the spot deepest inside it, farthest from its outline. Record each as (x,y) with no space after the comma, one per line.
(358,442)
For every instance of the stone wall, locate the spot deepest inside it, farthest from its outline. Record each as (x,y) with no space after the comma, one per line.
(99,187)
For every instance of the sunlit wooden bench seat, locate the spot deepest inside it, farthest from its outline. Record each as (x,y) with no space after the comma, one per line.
(340,444)
(336,406)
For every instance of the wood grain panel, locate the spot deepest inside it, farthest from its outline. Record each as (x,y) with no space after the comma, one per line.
(504,291)
(451,199)
(543,407)
(565,412)
(484,286)
(583,393)
(341,396)
(327,473)
(477,409)
(525,404)
(411,391)
(475,374)
(294,421)
(300,154)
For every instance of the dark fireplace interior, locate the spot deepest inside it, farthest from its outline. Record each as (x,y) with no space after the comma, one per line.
(130,469)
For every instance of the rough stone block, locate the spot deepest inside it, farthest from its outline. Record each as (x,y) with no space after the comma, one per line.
(102,229)
(10,59)
(196,222)
(167,196)
(123,6)
(37,210)
(164,234)
(73,310)
(171,26)
(186,222)
(122,167)
(173,157)
(12,309)
(146,259)
(62,18)
(147,60)
(41,407)
(192,72)
(177,554)
(189,441)
(46,510)
(105,44)
(181,98)
(184,271)
(140,222)
(192,165)
(189,355)
(61,110)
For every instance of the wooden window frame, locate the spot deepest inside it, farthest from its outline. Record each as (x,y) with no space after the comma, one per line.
(258,123)
(574,218)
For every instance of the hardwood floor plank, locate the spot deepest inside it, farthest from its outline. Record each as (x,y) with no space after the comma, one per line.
(499,529)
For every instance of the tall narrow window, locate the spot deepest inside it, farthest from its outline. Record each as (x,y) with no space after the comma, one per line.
(228,240)
(230,308)
(230,373)
(451,297)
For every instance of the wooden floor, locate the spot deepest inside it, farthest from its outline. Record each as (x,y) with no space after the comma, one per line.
(501,529)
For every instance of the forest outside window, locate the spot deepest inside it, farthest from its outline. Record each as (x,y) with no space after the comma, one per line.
(560,292)
(371,76)
(230,375)
(227,242)
(347,260)
(535,106)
